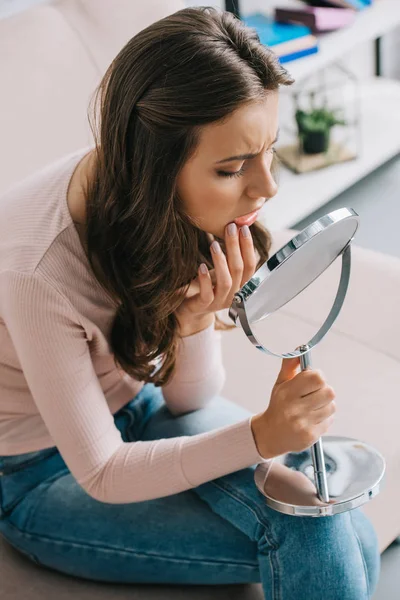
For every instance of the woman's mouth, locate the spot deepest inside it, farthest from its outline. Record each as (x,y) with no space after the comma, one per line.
(248,219)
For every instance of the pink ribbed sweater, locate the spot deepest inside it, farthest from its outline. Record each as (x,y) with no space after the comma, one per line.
(58,382)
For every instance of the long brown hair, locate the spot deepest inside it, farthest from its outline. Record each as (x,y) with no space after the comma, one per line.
(189,69)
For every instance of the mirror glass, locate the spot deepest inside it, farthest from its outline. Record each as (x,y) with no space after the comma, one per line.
(295,266)
(299,320)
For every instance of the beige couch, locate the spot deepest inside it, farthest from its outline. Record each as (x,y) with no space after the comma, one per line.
(51,58)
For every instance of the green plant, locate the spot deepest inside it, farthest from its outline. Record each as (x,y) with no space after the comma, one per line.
(319,120)
(314,128)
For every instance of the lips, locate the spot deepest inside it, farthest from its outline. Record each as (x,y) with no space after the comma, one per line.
(248,219)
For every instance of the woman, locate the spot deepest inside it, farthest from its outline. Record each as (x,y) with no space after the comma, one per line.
(119,460)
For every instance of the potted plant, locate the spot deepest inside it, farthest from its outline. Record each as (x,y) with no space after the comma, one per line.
(314,128)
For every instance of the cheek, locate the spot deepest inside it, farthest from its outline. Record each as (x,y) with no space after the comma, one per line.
(212,200)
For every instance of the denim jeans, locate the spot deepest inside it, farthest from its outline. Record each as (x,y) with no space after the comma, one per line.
(221,532)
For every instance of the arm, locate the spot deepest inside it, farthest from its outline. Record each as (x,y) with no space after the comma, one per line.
(54,355)
(199,372)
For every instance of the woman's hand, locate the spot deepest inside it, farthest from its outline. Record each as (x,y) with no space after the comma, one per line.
(214,290)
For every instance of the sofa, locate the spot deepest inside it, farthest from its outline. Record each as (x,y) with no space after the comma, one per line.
(51,58)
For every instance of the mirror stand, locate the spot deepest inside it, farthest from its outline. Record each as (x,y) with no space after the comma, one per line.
(317,451)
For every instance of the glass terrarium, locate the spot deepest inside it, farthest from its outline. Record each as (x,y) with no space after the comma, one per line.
(320,120)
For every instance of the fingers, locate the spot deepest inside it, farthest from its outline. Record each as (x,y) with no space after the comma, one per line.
(234,257)
(318,416)
(222,274)
(241,255)
(218,286)
(237,267)
(248,254)
(318,400)
(324,397)
(206,296)
(309,381)
(213,276)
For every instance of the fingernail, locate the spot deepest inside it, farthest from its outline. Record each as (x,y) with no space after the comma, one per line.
(215,247)
(203,269)
(232,229)
(245,231)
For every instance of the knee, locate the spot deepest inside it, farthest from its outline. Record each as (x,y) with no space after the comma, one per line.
(345,560)
(354,558)
(369,546)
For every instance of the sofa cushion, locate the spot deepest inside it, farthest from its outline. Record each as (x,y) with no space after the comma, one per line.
(104,31)
(23,580)
(47,79)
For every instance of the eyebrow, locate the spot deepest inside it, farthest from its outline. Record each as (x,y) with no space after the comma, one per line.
(244,156)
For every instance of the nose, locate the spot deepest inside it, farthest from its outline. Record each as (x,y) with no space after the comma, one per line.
(262,183)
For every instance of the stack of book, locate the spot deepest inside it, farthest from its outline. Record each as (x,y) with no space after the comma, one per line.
(352,4)
(318,18)
(289,41)
(292,32)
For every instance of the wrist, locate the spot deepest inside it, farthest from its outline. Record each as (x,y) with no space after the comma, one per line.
(257,423)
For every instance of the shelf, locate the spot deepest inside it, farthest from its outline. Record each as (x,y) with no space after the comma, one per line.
(301,195)
(371,23)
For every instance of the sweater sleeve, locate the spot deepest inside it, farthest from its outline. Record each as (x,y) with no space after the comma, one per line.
(54,355)
(199,374)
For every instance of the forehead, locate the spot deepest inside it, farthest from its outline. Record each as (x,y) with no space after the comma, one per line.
(246,130)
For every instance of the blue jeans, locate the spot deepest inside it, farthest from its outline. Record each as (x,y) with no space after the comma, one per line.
(221,532)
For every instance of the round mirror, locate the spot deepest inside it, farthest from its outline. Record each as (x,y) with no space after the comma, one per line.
(311,252)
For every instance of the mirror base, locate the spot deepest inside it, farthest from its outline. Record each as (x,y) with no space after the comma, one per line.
(354,469)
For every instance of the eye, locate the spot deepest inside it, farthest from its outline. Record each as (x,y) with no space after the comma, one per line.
(232,174)
(240,172)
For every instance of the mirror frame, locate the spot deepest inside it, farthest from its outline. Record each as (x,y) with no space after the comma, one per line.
(237,311)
